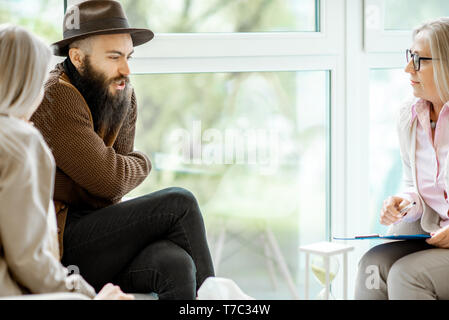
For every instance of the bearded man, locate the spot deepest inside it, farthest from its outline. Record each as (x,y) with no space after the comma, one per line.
(154,243)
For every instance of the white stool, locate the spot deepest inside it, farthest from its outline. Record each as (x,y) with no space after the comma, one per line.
(326,250)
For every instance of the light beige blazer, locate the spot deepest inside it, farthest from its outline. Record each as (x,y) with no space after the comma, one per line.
(430,220)
(28,237)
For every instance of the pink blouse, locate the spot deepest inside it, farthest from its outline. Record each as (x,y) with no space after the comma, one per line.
(430,158)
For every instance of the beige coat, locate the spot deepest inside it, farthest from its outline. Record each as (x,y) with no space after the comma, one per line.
(29,253)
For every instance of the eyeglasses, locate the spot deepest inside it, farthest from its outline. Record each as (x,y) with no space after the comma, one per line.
(416,59)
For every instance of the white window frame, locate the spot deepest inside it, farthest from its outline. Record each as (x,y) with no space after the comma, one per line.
(369,47)
(377,39)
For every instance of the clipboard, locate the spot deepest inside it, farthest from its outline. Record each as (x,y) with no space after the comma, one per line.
(390,237)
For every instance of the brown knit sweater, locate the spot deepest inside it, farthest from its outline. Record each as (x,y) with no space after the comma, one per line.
(93,171)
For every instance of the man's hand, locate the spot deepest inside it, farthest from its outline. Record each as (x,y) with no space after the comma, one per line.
(111,292)
(389,213)
(440,238)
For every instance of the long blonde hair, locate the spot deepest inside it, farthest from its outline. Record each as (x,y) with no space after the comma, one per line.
(24,62)
(437,32)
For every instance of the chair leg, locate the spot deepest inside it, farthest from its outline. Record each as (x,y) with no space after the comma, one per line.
(219,248)
(281,263)
(269,261)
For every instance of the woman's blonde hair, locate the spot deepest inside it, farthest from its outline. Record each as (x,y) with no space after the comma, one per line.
(24,62)
(437,32)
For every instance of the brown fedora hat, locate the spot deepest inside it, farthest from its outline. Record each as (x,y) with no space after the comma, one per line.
(95,17)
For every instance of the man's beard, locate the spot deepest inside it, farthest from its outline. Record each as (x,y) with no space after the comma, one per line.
(107,109)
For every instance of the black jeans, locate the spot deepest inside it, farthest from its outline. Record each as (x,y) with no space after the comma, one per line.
(154,243)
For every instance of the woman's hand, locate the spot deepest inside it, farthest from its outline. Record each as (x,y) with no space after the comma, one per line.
(440,238)
(389,213)
(111,292)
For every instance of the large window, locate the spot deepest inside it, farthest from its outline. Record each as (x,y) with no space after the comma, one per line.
(181,16)
(252,147)
(389,23)
(408,14)
(235,102)
(43,17)
(238,102)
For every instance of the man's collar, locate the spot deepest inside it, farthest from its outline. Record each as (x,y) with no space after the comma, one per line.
(70,70)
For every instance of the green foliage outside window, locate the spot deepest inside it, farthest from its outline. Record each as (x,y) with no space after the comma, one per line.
(179,16)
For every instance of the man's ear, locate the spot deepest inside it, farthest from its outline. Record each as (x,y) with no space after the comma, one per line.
(76,55)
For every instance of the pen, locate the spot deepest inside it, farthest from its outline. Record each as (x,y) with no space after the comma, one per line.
(403,212)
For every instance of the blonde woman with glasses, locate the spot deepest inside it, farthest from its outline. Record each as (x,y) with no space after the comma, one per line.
(419,269)
(28,238)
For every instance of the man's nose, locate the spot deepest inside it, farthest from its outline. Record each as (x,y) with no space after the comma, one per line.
(124,68)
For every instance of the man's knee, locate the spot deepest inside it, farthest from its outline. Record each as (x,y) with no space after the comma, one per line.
(177,269)
(172,260)
(182,195)
(178,261)
(184,202)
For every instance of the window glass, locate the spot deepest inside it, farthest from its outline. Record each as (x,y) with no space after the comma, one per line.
(190,16)
(42,17)
(252,147)
(389,88)
(408,14)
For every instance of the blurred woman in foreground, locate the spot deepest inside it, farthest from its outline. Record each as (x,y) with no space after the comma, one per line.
(29,253)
